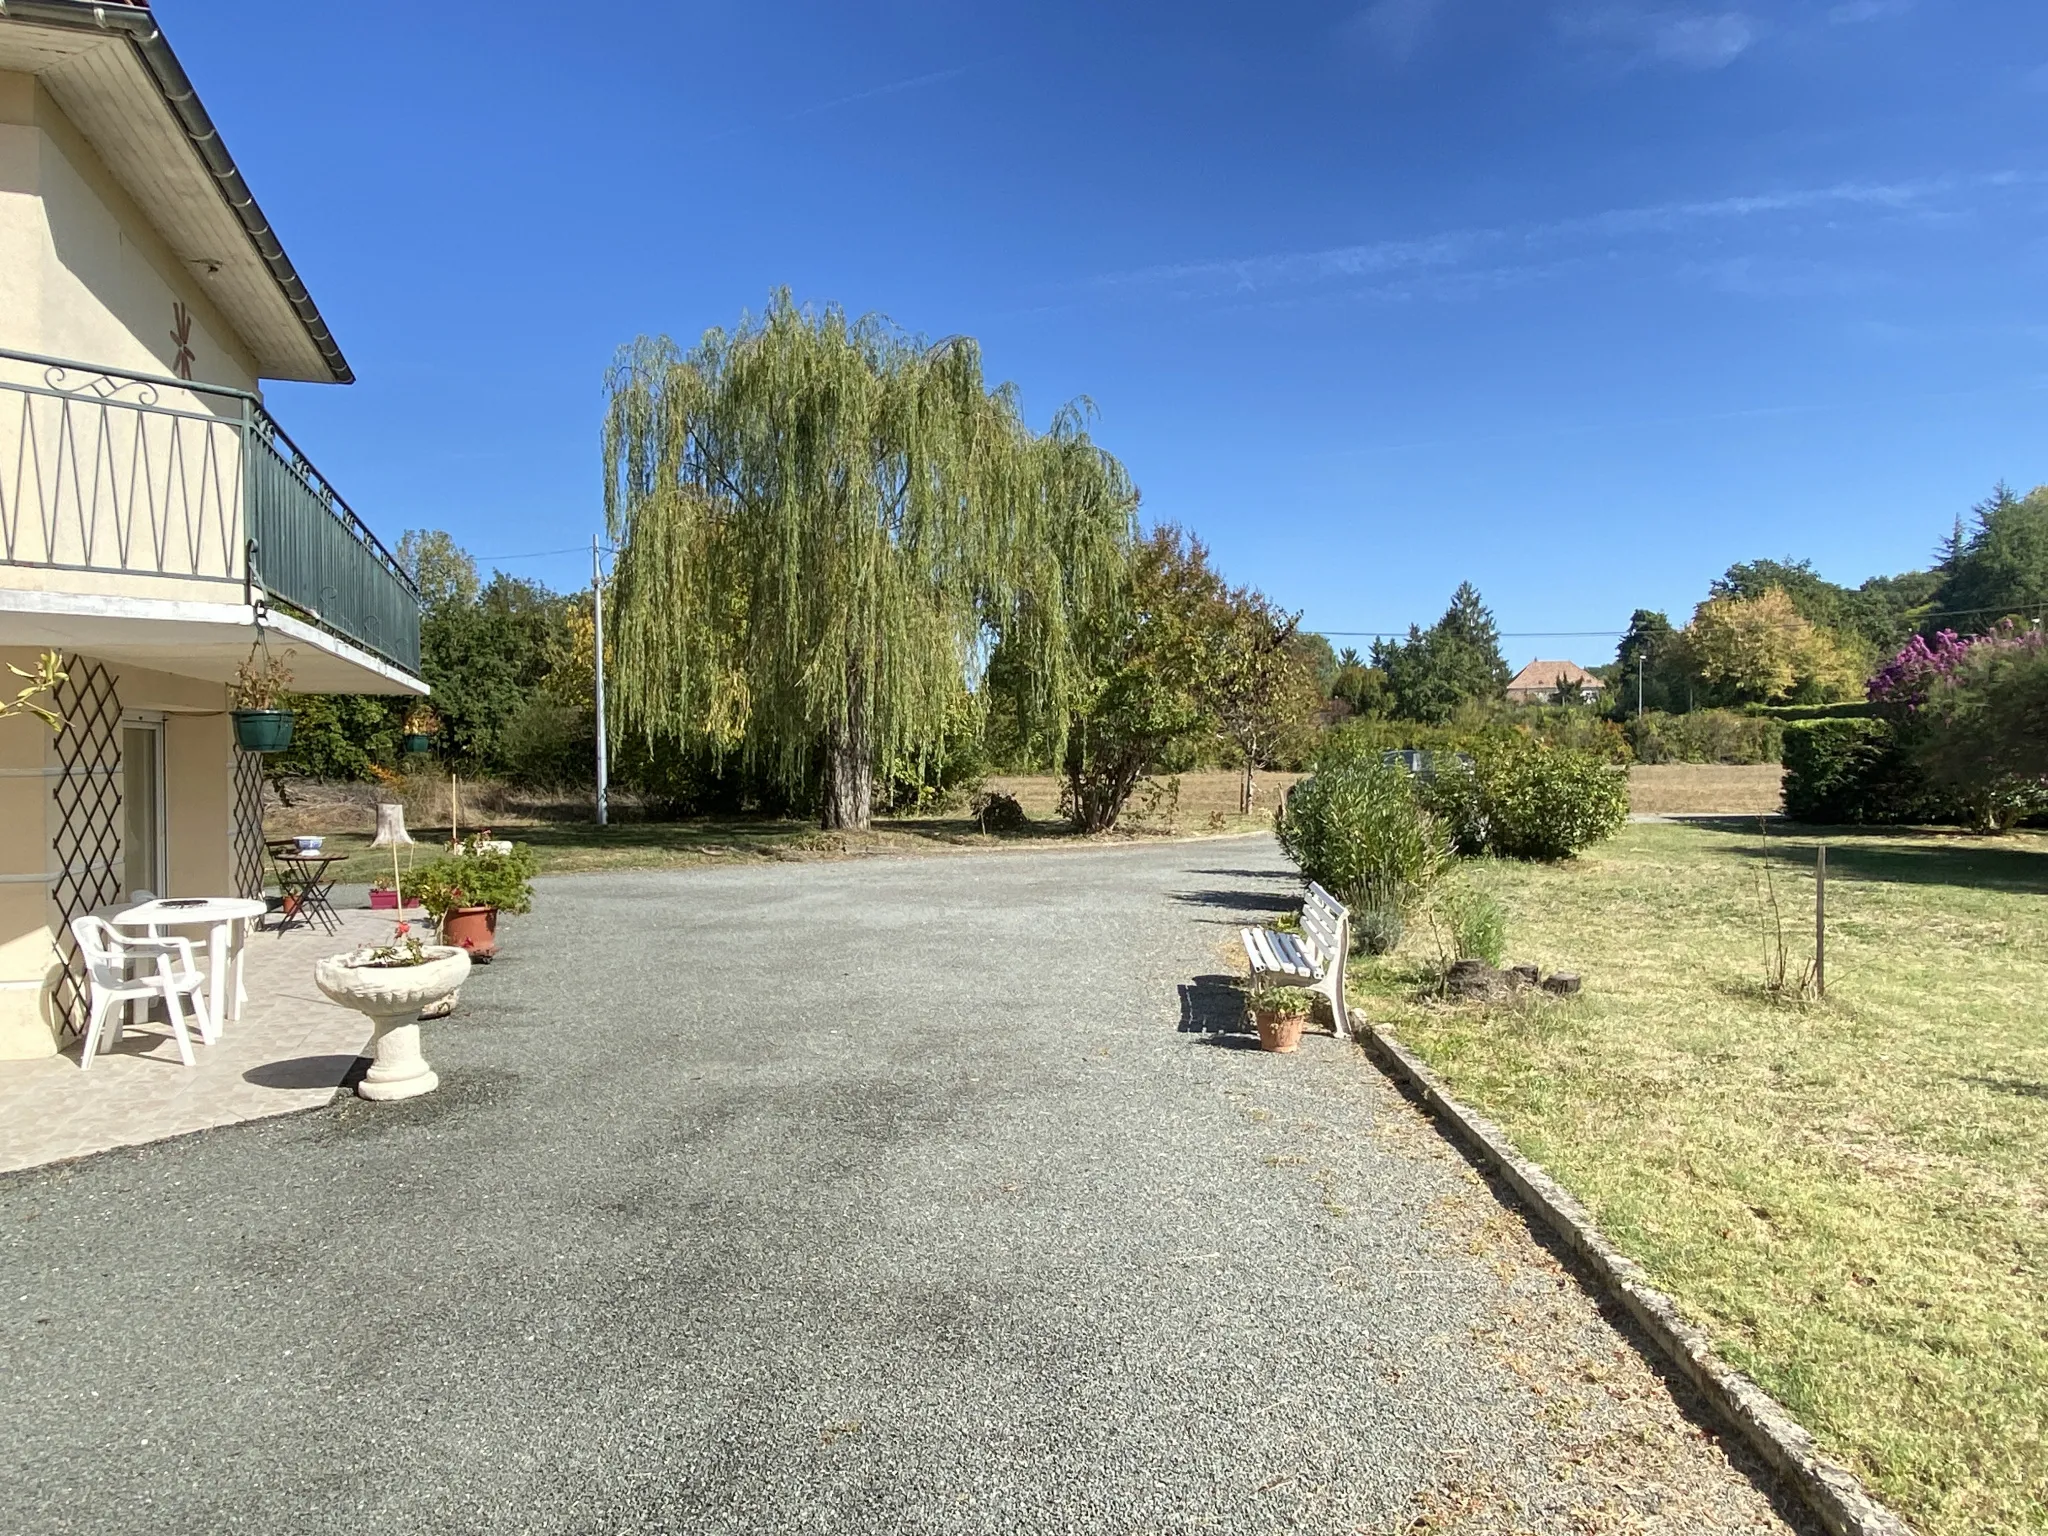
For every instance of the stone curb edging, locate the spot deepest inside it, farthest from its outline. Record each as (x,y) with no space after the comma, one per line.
(1833,1491)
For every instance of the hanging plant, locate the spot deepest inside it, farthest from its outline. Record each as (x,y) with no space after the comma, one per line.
(261,687)
(420,725)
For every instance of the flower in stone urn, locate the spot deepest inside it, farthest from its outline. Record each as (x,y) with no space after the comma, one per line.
(391,983)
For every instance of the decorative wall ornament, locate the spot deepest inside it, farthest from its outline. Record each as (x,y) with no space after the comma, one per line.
(181,333)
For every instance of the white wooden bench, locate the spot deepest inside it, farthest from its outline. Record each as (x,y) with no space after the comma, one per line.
(1312,959)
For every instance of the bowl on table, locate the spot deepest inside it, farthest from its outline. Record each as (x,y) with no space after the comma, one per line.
(309,844)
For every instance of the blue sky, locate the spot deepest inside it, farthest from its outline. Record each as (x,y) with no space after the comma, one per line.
(1578,301)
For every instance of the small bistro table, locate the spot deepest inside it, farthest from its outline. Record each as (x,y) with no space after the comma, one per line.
(226,920)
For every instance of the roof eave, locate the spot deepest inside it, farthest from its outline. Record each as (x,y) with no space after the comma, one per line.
(138,26)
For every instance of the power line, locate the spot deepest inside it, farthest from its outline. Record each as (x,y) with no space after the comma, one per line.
(1506,634)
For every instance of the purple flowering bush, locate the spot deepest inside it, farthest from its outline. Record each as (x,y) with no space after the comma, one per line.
(1904,682)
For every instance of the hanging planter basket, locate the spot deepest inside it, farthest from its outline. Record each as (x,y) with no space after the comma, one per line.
(415,741)
(262,730)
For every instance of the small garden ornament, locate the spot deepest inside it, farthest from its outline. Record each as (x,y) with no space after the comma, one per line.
(1281,1014)
(391,983)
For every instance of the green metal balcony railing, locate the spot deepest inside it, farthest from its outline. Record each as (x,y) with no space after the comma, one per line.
(105,470)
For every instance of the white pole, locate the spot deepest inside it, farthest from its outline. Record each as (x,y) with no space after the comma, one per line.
(597,615)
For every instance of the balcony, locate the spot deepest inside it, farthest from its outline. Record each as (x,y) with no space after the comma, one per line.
(189,499)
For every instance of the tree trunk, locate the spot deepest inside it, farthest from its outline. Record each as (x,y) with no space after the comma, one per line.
(849,789)
(849,797)
(1244,788)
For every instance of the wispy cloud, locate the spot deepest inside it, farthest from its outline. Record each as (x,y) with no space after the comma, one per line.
(1391,29)
(1850,12)
(892,88)
(1635,36)
(1491,256)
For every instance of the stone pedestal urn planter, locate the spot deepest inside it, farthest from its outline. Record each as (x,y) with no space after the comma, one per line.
(392,996)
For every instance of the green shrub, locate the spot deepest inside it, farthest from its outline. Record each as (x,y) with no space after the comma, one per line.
(477,877)
(546,744)
(1375,928)
(1860,772)
(1706,736)
(1281,1002)
(1852,709)
(1356,829)
(1549,802)
(1525,800)
(1452,794)
(998,813)
(1478,925)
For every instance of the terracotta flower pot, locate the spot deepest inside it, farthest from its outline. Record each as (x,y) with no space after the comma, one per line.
(474,929)
(1280,1032)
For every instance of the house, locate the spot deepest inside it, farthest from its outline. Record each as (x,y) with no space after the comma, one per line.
(157,525)
(1537,683)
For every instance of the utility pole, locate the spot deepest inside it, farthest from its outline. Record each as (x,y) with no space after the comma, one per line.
(597,618)
(1640,650)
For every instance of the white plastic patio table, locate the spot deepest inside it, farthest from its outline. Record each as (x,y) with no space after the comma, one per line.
(225,919)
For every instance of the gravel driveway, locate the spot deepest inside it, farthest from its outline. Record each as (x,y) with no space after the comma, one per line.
(906,1195)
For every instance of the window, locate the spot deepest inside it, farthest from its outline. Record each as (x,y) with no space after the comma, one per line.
(142,807)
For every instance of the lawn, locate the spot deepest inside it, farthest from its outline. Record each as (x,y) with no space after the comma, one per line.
(564,842)
(1852,1194)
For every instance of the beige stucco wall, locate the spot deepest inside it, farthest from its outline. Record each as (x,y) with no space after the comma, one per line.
(198,831)
(25,951)
(87,276)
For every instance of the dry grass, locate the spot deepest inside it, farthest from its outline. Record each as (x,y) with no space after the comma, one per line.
(1705,789)
(566,841)
(1851,1194)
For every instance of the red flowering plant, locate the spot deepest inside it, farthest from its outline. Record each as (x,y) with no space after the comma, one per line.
(476,878)
(404,949)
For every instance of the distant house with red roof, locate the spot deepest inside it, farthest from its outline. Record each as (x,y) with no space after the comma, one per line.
(1537,682)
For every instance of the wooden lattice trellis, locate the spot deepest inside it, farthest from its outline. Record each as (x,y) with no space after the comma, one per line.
(248,833)
(87,792)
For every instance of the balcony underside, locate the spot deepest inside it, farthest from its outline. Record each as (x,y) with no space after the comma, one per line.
(192,639)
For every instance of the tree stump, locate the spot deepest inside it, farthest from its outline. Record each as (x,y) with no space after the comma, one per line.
(1563,983)
(390,826)
(1472,978)
(1523,975)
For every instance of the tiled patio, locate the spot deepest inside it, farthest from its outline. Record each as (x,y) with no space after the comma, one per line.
(290,1050)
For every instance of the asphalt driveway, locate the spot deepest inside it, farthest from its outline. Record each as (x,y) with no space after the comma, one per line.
(908,1195)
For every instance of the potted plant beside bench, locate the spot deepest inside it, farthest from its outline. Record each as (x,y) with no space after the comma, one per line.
(1281,1014)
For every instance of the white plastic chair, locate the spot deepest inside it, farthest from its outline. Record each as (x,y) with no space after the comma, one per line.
(107,953)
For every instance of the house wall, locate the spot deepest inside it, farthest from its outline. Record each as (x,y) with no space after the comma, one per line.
(199,756)
(87,275)
(122,502)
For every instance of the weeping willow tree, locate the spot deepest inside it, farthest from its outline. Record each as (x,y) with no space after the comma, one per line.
(824,527)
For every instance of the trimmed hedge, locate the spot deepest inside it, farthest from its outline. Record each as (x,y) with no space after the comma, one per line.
(1857,772)
(1858,709)
(1705,736)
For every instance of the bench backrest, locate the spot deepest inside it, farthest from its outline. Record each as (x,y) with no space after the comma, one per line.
(1323,922)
